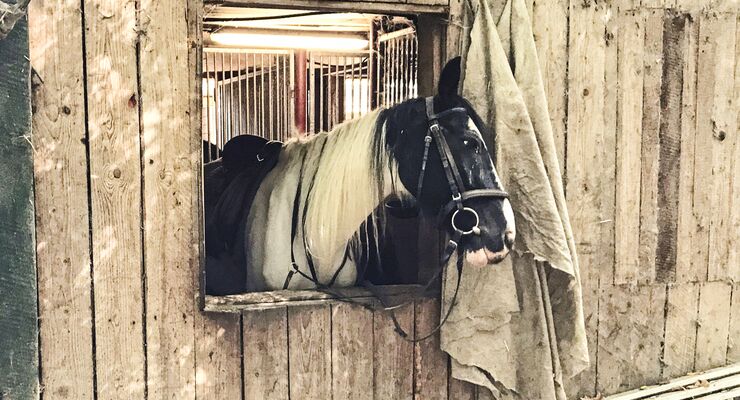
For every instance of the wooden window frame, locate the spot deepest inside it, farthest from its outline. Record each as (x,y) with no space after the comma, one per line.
(431,23)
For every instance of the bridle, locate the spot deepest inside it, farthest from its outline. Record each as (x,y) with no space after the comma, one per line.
(455,210)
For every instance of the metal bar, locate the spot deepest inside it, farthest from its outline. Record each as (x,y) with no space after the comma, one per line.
(392,35)
(262,96)
(222,98)
(337,90)
(255,103)
(321,93)
(311,94)
(270,96)
(232,111)
(299,91)
(208,107)
(239,86)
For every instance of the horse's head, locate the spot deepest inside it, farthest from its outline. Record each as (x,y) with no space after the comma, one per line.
(464,192)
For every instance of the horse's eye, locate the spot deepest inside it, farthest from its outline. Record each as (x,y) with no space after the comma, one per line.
(471,144)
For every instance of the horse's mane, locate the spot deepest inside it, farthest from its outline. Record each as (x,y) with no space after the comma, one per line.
(348,171)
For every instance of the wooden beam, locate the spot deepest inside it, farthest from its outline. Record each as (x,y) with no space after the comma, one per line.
(420,7)
(62,214)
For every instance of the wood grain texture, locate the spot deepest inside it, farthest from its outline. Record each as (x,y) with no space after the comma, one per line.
(723,120)
(393,369)
(687,267)
(430,362)
(631,39)
(309,343)
(218,356)
(115,177)
(550,29)
(352,352)
(590,190)
(674,33)
(733,342)
(630,336)
(171,164)
(680,329)
(62,219)
(650,151)
(18,319)
(714,324)
(460,390)
(733,245)
(707,85)
(266,354)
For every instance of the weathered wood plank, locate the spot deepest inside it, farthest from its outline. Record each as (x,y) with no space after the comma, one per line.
(18,318)
(62,219)
(714,324)
(170,164)
(733,245)
(352,352)
(115,178)
(281,298)
(550,30)
(630,336)
(707,85)
(674,28)
(631,39)
(266,354)
(460,390)
(649,153)
(393,370)
(430,362)
(718,129)
(680,329)
(219,356)
(733,342)
(590,142)
(687,270)
(309,344)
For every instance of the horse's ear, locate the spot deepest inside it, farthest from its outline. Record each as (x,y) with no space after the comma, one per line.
(449,80)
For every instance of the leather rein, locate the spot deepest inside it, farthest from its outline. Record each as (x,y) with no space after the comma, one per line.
(455,207)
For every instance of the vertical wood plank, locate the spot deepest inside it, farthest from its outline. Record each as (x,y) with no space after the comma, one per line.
(170,188)
(687,270)
(393,370)
(733,343)
(680,329)
(352,352)
(18,319)
(630,336)
(590,190)
(266,354)
(115,177)
(62,219)
(714,324)
(733,241)
(309,344)
(719,128)
(674,28)
(550,30)
(218,373)
(430,362)
(707,87)
(460,390)
(649,153)
(627,225)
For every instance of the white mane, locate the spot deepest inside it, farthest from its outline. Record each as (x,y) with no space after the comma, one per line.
(348,173)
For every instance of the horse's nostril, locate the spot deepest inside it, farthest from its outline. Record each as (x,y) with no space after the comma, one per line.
(509,240)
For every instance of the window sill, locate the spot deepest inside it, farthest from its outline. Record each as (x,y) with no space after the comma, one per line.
(281,298)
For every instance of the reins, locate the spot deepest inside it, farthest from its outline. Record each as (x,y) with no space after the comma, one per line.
(460,229)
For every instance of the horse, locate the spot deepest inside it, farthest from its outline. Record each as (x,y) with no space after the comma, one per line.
(324,203)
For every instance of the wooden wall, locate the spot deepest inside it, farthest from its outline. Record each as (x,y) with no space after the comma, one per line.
(644,98)
(644,101)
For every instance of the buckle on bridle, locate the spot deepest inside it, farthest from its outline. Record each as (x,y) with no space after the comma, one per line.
(473,228)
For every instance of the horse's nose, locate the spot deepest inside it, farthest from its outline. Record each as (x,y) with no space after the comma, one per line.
(509,237)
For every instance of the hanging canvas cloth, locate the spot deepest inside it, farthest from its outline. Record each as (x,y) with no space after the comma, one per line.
(517,328)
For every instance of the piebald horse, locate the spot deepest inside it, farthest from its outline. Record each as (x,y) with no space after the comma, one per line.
(315,210)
